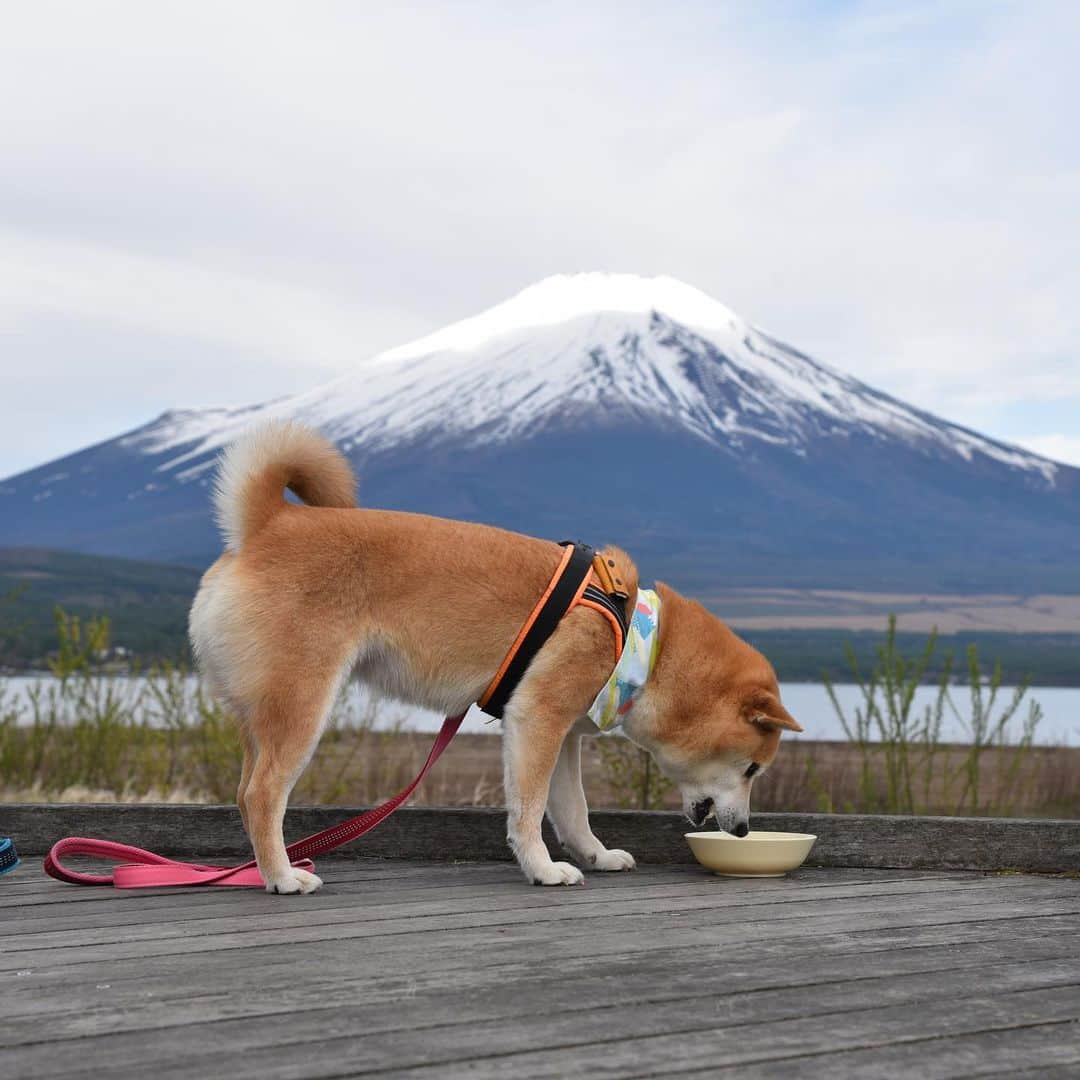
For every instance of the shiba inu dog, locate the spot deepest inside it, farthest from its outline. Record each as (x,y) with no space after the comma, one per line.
(424,609)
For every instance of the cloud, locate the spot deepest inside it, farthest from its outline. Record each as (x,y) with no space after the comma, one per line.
(251,197)
(191,297)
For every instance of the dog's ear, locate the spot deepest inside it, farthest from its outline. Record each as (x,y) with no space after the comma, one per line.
(765,711)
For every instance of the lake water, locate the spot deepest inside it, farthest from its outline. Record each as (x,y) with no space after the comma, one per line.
(807,702)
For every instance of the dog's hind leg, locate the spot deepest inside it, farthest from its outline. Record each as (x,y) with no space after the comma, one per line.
(569,812)
(285,726)
(250,754)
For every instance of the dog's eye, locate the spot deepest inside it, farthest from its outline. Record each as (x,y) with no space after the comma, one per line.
(754,767)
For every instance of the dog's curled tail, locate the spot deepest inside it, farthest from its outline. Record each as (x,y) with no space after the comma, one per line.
(256,469)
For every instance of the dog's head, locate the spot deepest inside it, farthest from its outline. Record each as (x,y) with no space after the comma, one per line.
(716,763)
(711,716)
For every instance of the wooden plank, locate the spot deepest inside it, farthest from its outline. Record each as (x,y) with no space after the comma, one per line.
(152,975)
(429,935)
(602,945)
(642,1039)
(144,905)
(480,993)
(601,889)
(339,881)
(366,905)
(624,1052)
(473,929)
(141,982)
(97,927)
(29,883)
(342,879)
(479,834)
(1047,1051)
(428,1030)
(328,923)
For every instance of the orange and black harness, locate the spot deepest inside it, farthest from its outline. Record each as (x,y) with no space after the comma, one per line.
(582,577)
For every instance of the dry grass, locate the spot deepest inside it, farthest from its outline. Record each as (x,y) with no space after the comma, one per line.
(827,777)
(363,767)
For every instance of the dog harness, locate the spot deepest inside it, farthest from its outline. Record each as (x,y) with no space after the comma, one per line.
(581,578)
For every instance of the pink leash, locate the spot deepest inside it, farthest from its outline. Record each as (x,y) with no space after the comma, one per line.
(139,869)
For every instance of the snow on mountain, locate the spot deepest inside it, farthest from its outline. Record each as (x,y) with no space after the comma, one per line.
(608,347)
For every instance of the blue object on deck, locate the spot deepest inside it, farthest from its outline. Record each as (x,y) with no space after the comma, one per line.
(8,859)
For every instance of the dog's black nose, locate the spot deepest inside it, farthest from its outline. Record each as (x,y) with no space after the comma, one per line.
(741,829)
(700,811)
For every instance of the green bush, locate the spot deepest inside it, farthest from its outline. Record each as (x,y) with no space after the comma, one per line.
(905,767)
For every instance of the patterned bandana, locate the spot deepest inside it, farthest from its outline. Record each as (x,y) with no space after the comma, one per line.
(634,666)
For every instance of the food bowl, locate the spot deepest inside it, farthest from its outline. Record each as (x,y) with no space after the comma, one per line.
(758,854)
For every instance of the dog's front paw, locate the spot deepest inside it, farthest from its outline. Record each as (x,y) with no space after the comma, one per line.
(613,859)
(558,873)
(294,880)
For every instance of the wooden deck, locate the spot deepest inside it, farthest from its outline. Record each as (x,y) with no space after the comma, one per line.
(412,969)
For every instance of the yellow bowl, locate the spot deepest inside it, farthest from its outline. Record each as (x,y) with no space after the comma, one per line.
(759,854)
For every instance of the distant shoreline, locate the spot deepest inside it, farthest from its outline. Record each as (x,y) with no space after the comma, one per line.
(803,631)
(808,701)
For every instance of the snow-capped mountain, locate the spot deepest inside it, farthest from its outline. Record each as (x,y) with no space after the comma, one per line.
(613,407)
(609,346)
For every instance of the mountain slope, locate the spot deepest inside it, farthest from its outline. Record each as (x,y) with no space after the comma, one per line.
(614,407)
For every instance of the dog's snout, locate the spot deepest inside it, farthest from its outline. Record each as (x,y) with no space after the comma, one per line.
(700,811)
(741,829)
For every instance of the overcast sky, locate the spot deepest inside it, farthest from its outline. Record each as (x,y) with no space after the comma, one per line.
(215,203)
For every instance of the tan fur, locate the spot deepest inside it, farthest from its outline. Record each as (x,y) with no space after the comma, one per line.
(424,609)
(256,470)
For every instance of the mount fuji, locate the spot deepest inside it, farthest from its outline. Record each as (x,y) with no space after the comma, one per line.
(614,408)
